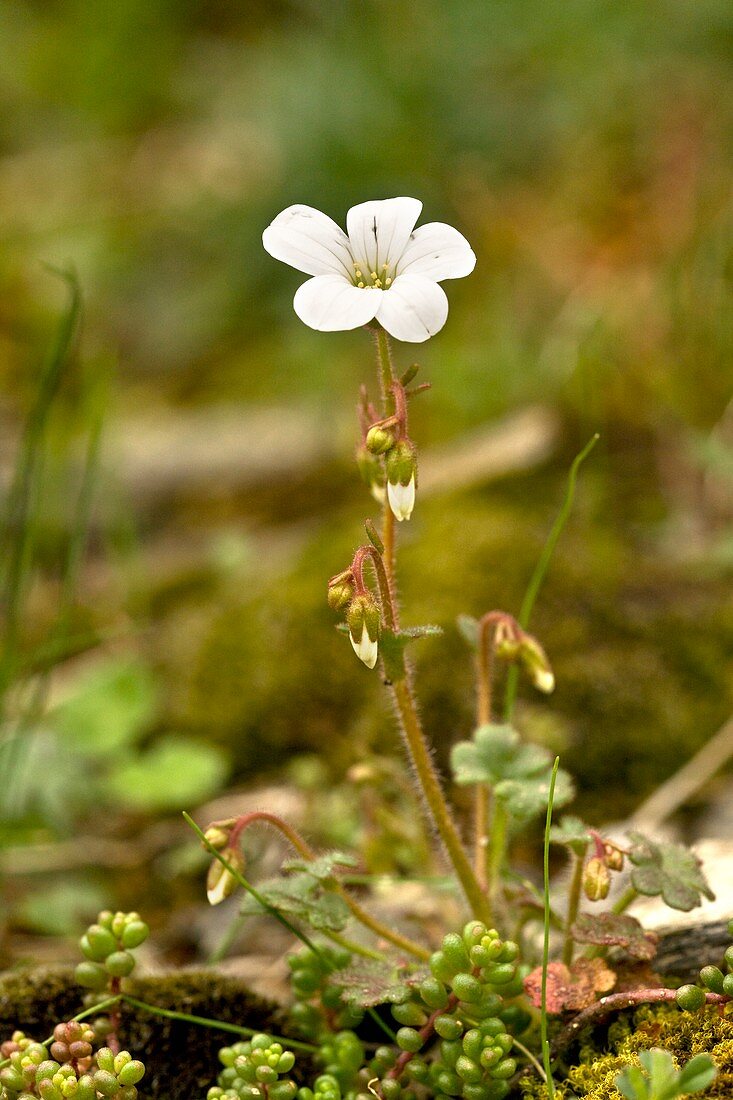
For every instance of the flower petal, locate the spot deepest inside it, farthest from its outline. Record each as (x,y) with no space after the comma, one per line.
(331,303)
(438,251)
(380,229)
(309,241)
(413,309)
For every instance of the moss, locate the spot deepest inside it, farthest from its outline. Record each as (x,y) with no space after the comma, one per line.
(683,1034)
(181,1058)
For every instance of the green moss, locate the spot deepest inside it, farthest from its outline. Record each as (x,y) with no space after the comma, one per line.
(683,1034)
(181,1058)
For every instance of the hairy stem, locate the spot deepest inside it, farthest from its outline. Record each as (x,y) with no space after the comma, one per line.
(623,903)
(435,799)
(382,931)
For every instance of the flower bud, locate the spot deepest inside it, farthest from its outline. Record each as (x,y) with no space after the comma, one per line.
(401,466)
(596,879)
(379,439)
(534,659)
(364,622)
(217,836)
(614,856)
(340,591)
(220,882)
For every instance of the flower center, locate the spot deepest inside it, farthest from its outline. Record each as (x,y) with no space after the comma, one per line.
(381,279)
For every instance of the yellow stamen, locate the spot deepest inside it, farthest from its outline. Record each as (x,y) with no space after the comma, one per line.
(388,282)
(373,274)
(360,285)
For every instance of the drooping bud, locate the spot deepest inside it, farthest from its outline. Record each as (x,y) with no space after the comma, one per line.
(534,659)
(596,879)
(507,639)
(364,622)
(614,856)
(379,439)
(340,591)
(218,835)
(371,472)
(401,465)
(220,882)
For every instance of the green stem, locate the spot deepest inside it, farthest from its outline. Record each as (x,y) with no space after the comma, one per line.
(546,1059)
(354,947)
(497,849)
(435,799)
(623,903)
(576,885)
(542,566)
(217,1025)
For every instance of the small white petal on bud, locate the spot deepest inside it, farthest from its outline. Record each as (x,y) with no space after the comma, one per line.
(544,680)
(365,649)
(377,491)
(220,882)
(401,499)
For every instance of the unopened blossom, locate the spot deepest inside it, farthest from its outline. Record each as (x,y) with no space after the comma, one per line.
(382,269)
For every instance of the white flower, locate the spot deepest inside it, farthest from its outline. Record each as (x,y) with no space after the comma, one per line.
(401,498)
(365,649)
(385,269)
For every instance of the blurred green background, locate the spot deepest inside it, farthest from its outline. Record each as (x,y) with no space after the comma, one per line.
(183,647)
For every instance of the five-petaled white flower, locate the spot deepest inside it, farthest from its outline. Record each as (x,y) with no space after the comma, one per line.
(384,270)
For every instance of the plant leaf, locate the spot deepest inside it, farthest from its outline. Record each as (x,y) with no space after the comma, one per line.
(668,870)
(323,868)
(697,1074)
(524,799)
(494,753)
(632,1084)
(366,983)
(570,989)
(615,930)
(112,706)
(573,833)
(301,897)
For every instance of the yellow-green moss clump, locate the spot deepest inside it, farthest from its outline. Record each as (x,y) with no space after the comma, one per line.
(683,1034)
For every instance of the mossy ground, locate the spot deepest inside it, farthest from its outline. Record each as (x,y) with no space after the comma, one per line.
(683,1034)
(180,1058)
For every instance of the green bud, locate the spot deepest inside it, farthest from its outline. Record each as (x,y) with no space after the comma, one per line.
(440,967)
(118,923)
(728,985)
(433,993)
(690,998)
(340,592)
(379,439)
(105,1082)
(364,620)
(106,1059)
(91,975)
(596,880)
(120,963)
(729,957)
(409,1039)
(501,973)
(135,933)
(409,1014)
(467,988)
(97,942)
(505,1069)
(390,1089)
(712,977)
(105,918)
(448,1027)
(455,952)
(468,1071)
